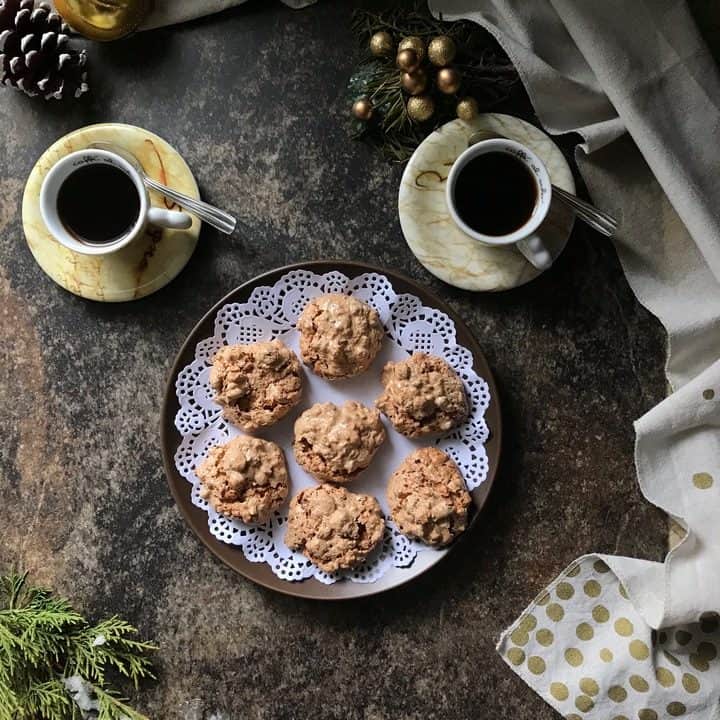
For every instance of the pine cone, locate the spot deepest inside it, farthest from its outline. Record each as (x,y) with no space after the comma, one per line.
(34,56)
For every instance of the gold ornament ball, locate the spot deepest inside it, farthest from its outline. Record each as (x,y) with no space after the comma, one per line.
(448,80)
(441,50)
(407,60)
(100,20)
(420,108)
(362,109)
(414,83)
(381,44)
(467,109)
(413,43)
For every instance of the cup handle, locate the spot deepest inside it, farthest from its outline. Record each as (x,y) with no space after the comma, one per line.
(169,218)
(535,252)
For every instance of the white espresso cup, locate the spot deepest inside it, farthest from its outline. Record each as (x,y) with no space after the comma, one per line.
(524,238)
(147,214)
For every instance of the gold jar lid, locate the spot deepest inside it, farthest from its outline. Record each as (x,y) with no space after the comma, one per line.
(103,19)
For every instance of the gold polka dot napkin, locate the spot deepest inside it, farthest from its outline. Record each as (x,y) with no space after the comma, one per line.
(623,639)
(586,650)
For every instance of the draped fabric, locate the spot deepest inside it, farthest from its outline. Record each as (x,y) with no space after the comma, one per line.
(633,638)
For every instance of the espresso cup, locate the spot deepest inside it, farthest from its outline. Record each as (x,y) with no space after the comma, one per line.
(524,237)
(143,213)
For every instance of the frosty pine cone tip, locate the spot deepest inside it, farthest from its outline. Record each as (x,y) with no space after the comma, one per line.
(34,52)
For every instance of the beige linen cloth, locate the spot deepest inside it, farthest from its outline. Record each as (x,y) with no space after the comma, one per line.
(614,637)
(168,12)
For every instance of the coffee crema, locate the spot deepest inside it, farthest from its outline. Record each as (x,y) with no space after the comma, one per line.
(495,193)
(98,203)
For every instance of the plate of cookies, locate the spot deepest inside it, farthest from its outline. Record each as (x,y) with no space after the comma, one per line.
(330,430)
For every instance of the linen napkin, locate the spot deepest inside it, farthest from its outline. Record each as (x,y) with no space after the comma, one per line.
(616,637)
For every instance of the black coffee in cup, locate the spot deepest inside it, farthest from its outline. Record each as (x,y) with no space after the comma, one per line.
(495,193)
(98,203)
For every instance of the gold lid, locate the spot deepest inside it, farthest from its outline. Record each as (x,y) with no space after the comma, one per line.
(103,19)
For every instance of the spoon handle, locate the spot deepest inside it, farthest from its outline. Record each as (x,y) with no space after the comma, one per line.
(597,219)
(219,219)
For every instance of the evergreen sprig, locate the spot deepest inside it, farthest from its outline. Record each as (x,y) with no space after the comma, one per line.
(44,642)
(487,73)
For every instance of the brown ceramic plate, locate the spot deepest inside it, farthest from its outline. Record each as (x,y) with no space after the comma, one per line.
(261,572)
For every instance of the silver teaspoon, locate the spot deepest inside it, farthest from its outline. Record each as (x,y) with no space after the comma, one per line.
(601,221)
(219,219)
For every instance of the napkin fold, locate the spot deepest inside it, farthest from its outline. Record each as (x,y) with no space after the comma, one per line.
(620,637)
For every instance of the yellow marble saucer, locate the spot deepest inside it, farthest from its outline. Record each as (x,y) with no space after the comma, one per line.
(445,250)
(148,263)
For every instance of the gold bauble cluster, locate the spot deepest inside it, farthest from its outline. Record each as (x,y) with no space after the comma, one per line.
(409,55)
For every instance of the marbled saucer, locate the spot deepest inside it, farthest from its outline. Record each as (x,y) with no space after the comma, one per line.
(445,250)
(148,263)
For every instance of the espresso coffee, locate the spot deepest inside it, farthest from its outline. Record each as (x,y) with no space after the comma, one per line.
(98,203)
(495,193)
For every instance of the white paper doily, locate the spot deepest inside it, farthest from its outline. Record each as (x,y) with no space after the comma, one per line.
(272,312)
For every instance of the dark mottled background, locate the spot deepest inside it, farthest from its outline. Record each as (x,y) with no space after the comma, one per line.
(254,100)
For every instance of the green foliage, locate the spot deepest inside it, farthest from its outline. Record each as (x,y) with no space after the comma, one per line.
(487,75)
(113,708)
(44,641)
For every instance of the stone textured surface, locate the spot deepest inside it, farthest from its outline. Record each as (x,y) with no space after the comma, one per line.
(254,100)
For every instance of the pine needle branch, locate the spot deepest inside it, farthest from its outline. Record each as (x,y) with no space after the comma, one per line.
(113,707)
(109,644)
(45,643)
(11,589)
(9,702)
(47,700)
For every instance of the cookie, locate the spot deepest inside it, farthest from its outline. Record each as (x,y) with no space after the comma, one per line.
(334,528)
(427,497)
(335,443)
(339,336)
(423,395)
(246,478)
(256,384)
